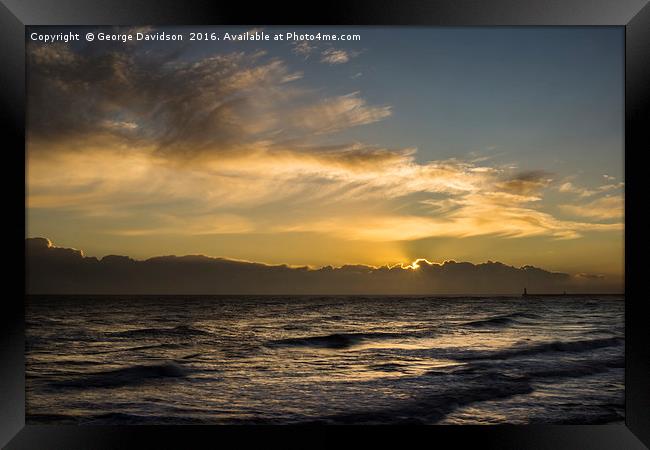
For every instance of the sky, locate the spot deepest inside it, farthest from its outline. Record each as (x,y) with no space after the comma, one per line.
(467,144)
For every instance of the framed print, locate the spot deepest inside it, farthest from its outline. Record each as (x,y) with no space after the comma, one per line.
(302,226)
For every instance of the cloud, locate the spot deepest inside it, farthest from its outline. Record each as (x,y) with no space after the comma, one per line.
(332,56)
(569,187)
(474,216)
(56,270)
(591,276)
(229,143)
(303,48)
(183,108)
(608,207)
(344,190)
(334,114)
(337,56)
(525,183)
(43,248)
(195,225)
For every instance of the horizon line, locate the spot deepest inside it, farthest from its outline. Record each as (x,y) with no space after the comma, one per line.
(507,295)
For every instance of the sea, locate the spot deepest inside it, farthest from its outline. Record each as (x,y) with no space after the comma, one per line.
(324,360)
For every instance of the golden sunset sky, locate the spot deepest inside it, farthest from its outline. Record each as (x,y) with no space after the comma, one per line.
(464,144)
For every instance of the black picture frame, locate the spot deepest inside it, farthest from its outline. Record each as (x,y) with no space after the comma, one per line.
(634,15)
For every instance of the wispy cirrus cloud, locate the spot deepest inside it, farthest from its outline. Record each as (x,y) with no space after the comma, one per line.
(337,56)
(604,208)
(569,187)
(303,48)
(348,192)
(329,55)
(335,114)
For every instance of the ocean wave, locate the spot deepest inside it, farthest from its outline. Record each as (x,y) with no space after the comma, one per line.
(547,347)
(339,340)
(578,369)
(126,376)
(501,321)
(389,367)
(178,331)
(534,369)
(162,346)
(294,327)
(432,408)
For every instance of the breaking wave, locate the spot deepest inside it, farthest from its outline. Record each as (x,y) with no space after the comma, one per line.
(501,321)
(126,376)
(341,340)
(548,347)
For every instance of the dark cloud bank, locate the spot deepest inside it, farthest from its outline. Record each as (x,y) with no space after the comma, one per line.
(56,270)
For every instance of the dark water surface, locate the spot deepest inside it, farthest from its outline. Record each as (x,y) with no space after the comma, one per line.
(328,359)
